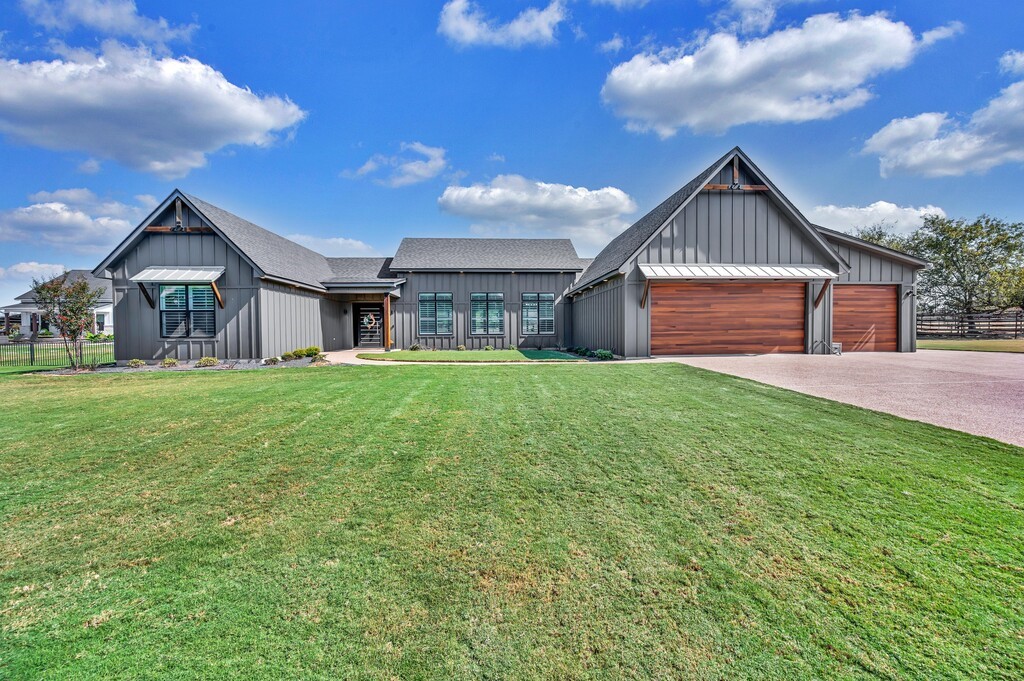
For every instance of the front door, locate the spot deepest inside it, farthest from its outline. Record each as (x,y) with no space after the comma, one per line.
(369,326)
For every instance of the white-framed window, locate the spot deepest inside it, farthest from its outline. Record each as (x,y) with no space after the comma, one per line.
(101,322)
(487,314)
(538,314)
(437,314)
(187,311)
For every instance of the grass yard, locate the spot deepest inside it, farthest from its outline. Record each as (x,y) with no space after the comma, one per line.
(605,521)
(471,356)
(1000,345)
(52,354)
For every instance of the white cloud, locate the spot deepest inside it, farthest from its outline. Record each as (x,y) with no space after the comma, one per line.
(496,157)
(513,204)
(17,278)
(621,4)
(334,247)
(30,270)
(159,115)
(749,16)
(73,220)
(814,71)
(404,170)
(953,28)
(118,18)
(1012,62)
(844,218)
(465,24)
(937,145)
(90,166)
(612,45)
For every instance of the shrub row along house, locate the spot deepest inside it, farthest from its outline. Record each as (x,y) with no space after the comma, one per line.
(725,265)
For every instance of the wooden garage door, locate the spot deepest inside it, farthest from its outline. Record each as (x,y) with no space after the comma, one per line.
(864,317)
(706,318)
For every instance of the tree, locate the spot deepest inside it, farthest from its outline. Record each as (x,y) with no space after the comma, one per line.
(69,305)
(972,261)
(884,234)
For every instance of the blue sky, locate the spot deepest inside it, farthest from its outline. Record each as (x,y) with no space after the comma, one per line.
(350,125)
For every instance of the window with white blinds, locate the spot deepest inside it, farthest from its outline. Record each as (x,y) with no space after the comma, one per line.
(487,314)
(187,311)
(538,314)
(437,314)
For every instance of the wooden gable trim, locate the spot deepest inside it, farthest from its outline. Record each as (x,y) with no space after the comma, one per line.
(147,225)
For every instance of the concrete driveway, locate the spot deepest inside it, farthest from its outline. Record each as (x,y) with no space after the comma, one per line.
(976,392)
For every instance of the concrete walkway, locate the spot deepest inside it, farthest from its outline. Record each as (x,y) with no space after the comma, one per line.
(975,392)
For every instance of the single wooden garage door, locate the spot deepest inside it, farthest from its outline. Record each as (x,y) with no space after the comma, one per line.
(864,317)
(711,318)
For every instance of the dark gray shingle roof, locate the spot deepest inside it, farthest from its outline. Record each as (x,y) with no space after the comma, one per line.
(94,282)
(360,270)
(617,252)
(272,253)
(486,254)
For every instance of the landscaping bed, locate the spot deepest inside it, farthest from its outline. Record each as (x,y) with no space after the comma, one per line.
(502,356)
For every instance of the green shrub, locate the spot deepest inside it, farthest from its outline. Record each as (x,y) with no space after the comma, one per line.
(271,361)
(604,355)
(46,333)
(287,357)
(590,353)
(415,347)
(207,362)
(460,348)
(311,351)
(320,358)
(168,362)
(488,348)
(135,363)
(511,347)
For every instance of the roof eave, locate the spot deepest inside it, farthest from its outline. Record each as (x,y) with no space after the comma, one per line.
(919,263)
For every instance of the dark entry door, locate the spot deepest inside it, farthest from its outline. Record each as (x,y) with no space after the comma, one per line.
(369,326)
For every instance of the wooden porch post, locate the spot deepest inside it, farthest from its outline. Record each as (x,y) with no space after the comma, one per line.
(387,322)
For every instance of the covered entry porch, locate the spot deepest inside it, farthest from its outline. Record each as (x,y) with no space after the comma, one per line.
(367,319)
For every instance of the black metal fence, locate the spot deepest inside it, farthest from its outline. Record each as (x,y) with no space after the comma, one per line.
(54,354)
(989,325)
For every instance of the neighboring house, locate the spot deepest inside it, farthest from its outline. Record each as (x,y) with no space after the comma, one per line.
(725,265)
(29,317)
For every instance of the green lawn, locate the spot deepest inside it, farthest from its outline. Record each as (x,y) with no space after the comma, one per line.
(52,355)
(471,356)
(976,345)
(562,521)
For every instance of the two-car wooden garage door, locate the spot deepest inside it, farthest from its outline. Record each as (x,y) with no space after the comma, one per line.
(725,317)
(698,318)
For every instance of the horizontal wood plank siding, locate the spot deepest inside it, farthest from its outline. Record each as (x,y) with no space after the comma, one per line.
(727,317)
(864,317)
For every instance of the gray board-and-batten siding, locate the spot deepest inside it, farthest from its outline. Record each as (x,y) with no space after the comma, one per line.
(461,285)
(724,227)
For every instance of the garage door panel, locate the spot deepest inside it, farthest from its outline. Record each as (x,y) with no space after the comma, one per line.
(727,317)
(864,317)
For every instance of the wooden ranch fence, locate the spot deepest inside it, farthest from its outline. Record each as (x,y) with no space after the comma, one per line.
(53,354)
(1006,325)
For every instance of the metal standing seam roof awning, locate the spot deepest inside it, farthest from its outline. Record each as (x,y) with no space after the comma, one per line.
(737,272)
(182,275)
